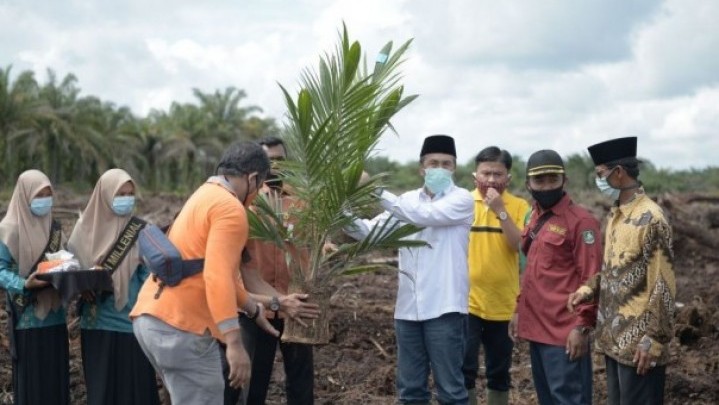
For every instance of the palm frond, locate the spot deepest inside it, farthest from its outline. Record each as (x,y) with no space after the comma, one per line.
(333,125)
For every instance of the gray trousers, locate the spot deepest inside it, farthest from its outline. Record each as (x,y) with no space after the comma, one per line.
(189,364)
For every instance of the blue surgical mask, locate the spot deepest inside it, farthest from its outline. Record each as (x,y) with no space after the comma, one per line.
(123,205)
(437,179)
(606,189)
(41,206)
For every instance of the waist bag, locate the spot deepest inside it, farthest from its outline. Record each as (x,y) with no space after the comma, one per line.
(163,259)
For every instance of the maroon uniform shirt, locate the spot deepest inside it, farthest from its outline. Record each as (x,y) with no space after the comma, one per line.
(565,253)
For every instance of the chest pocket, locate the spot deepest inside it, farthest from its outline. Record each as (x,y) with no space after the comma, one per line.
(555,249)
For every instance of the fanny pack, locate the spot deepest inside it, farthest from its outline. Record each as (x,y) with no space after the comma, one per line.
(164,260)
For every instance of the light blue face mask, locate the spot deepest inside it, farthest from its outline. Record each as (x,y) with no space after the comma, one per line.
(123,205)
(437,179)
(41,206)
(606,189)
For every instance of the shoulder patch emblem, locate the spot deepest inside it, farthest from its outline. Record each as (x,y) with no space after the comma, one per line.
(588,237)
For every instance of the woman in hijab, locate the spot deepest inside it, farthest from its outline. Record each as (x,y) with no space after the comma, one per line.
(40,354)
(116,370)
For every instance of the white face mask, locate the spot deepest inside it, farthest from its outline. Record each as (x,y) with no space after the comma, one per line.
(605,188)
(123,205)
(437,179)
(41,206)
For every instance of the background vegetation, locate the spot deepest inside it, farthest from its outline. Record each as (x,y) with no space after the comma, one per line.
(580,171)
(73,138)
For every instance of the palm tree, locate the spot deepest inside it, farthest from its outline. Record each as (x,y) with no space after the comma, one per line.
(580,170)
(19,106)
(255,127)
(333,126)
(222,111)
(63,131)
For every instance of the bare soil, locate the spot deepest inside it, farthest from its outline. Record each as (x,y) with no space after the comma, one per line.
(358,364)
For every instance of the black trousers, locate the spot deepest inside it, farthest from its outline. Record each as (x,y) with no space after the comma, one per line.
(493,337)
(116,369)
(297,360)
(626,387)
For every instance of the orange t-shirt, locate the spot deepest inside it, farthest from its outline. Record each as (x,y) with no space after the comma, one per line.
(212,224)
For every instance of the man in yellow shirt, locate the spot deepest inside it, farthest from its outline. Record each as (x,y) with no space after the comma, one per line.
(178,327)
(493,274)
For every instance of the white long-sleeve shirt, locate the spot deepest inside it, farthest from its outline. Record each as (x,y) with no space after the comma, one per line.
(433,280)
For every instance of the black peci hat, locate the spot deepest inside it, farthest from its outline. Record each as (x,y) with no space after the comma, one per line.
(613,149)
(438,144)
(545,162)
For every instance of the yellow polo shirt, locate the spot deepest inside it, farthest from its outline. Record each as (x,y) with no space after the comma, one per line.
(493,264)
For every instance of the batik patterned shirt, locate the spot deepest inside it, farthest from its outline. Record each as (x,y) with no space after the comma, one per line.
(636,285)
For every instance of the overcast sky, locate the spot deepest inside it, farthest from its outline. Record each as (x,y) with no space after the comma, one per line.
(522,75)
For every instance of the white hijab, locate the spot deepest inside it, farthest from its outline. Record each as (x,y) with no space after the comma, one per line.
(20,228)
(98,229)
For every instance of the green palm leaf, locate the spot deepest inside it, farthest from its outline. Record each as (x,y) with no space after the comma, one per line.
(333,126)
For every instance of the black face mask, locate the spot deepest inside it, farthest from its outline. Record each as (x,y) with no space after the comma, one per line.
(547,198)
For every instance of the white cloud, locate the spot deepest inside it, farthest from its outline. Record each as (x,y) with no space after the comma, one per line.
(524,75)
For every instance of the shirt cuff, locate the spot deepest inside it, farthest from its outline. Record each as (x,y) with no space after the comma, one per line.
(586,291)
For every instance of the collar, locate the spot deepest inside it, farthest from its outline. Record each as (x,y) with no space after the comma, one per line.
(220,180)
(478,196)
(627,208)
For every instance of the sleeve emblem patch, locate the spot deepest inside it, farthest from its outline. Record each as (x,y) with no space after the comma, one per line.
(588,237)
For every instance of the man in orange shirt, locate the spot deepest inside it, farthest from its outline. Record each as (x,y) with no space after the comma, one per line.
(177,327)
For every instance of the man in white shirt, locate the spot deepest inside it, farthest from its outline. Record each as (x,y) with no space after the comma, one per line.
(431,310)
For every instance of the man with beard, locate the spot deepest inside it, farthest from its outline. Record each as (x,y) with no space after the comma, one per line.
(493,274)
(563,251)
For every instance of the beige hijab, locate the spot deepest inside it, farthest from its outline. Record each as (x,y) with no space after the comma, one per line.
(98,229)
(20,228)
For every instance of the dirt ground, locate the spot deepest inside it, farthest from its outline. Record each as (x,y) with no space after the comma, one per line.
(358,365)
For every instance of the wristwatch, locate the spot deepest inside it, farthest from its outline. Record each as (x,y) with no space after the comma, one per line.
(645,344)
(503,216)
(275,304)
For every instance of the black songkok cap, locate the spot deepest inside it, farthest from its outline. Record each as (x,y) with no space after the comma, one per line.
(613,149)
(438,144)
(545,162)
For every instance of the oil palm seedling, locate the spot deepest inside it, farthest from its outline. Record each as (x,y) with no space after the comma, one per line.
(332,127)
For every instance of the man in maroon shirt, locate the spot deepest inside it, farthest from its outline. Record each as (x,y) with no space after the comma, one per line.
(563,250)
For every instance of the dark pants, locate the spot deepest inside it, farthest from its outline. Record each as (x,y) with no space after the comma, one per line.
(493,336)
(626,387)
(557,380)
(41,372)
(297,359)
(116,369)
